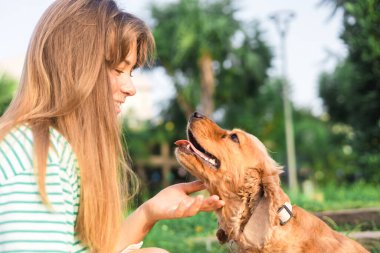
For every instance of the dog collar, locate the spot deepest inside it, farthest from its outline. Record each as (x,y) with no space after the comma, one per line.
(285,213)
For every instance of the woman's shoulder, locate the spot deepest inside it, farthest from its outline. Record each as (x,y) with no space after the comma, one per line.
(18,134)
(16,152)
(60,145)
(61,153)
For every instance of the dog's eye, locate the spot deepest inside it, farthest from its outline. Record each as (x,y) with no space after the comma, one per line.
(234,138)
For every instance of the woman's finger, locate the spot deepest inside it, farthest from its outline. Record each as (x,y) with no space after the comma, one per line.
(192,186)
(212,203)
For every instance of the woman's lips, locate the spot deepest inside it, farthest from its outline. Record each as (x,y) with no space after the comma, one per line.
(118,106)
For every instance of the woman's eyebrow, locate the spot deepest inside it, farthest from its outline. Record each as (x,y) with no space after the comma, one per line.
(127,62)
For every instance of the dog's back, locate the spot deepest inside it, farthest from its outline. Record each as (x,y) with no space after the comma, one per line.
(308,233)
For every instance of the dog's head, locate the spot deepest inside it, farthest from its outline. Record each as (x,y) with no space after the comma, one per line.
(236,166)
(223,158)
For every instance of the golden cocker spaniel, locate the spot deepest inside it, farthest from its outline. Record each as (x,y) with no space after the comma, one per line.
(257,215)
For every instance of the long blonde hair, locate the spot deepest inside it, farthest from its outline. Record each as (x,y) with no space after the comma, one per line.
(65,85)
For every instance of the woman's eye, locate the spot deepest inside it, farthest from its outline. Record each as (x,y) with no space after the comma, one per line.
(119,71)
(234,138)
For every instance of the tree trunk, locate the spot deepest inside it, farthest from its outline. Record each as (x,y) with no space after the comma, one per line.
(186,108)
(207,84)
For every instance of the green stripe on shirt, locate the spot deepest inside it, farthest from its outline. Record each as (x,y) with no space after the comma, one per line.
(24,219)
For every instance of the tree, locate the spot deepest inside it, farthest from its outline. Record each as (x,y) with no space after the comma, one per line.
(351,93)
(202,47)
(245,97)
(243,80)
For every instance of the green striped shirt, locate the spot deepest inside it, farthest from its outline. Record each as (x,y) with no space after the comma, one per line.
(26,224)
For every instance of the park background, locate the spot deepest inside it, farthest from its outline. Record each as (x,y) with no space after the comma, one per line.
(233,49)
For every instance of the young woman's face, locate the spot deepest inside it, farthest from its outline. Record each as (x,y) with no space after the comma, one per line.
(122,85)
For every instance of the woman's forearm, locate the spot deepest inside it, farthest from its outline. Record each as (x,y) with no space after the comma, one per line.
(134,228)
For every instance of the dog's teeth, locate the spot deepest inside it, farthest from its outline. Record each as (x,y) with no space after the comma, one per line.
(212,161)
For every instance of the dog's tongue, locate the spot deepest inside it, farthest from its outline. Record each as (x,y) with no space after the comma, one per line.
(182,143)
(189,145)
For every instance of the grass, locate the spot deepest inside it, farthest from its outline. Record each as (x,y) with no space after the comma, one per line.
(179,235)
(186,235)
(332,197)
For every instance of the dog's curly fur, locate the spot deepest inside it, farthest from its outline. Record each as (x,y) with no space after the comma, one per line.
(247,179)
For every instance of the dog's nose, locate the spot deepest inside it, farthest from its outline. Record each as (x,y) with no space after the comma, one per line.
(197,115)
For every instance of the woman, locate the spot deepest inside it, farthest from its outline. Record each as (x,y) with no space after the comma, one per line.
(63,177)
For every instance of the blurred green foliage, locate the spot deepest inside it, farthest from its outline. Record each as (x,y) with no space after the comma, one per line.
(335,196)
(351,92)
(183,235)
(187,31)
(7,88)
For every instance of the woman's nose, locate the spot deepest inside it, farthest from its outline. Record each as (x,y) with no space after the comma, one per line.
(127,86)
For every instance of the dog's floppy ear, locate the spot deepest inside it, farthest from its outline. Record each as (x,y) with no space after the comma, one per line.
(258,229)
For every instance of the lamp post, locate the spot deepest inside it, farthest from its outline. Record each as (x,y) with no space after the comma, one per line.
(281,20)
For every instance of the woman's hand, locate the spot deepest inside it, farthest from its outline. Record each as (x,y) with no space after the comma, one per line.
(174,202)
(170,203)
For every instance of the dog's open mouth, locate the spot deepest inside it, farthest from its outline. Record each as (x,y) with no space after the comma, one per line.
(194,147)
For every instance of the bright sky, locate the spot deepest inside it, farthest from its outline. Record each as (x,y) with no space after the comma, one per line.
(312,36)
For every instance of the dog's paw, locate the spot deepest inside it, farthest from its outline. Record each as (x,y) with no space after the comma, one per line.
(221,235)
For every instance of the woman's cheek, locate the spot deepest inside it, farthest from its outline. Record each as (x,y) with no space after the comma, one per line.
(114,82)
